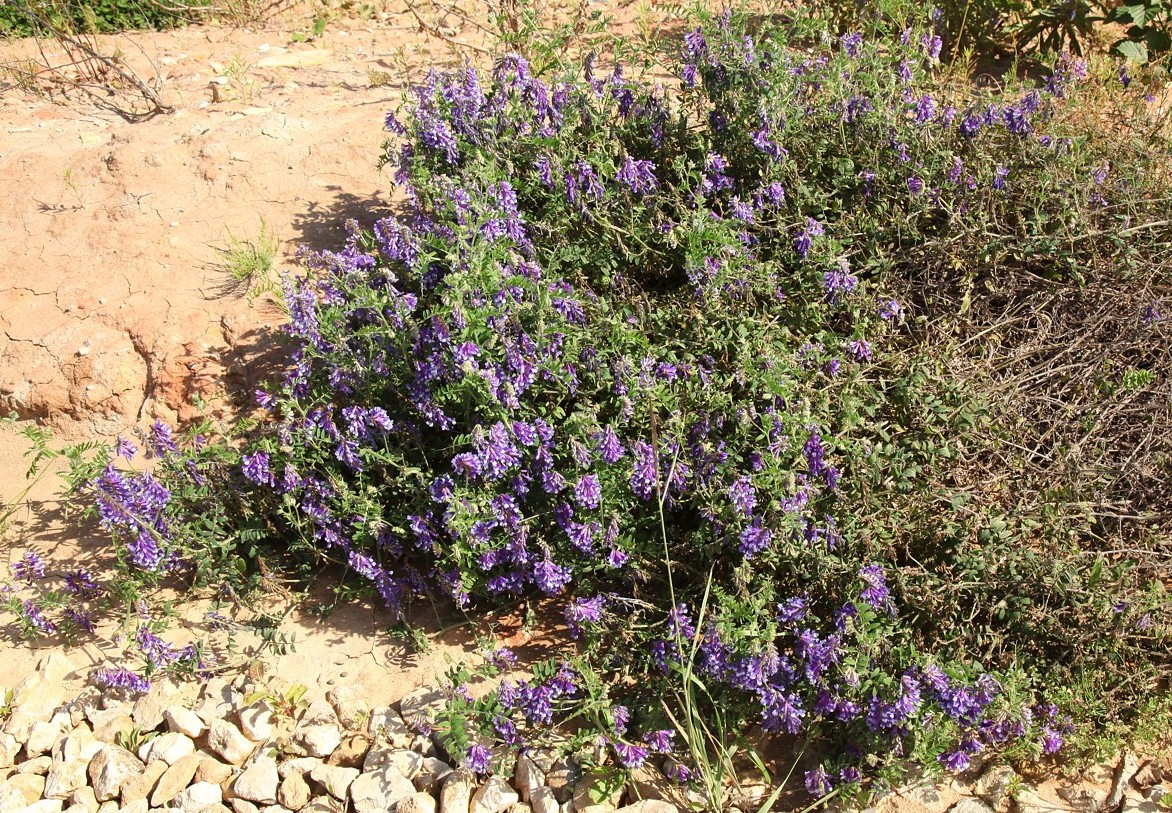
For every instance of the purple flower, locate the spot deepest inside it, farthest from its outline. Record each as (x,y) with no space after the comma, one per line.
(644,476)
(915,185)
(925,109)
(677,771)
(860,349)
(874,591)
(839,281)
(955,761)
(1051,741)
(818,782)
(588,491)
(754,539)
(82,584)
(497,452)
(549,577)
(890,310)
(125,449)
(29,568)
(32,615)
(256,468)
(622,717)
(743,496)
(1000,173)
(119,677)
(162,440)
(851,43)
(932,45)
(610,448)
(805,240)
(157,651)
(478,759)
(583,610)
(630,755)
(659,741)
(638,176)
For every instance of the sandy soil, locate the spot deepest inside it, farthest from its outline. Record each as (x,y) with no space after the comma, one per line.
(115,307)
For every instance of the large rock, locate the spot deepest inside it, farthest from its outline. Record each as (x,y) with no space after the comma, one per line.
(139,786)
(184,721)
(11,799)
(542,800)
(419,708)
(319,740)
(386,724)
(351,752)
(349,703)
(212,770)
(30,786)
(147,712)
(380,791)
(110,725)
(970,805)
(527,777)
(293,792)
(84,797)
(9,748)
(319,712)
(65,776)
(334,779)
(650,806)
(494,796)
(45,806)
(110,768)
(256,721)
(994,785)
(170,748)
(175,778)
(431,775)
(199,796)
(1082,798)
(226,740)
(1127,769)
(456,792)
(417,803)
(218,701)
(38,765)
(42,692)
(78,745)
(408,763)
(43,736)
(258,782)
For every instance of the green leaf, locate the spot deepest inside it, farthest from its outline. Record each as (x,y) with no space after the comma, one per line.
(1132,51)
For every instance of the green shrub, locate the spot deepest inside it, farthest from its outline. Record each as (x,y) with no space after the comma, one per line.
(19,18)
(709,373)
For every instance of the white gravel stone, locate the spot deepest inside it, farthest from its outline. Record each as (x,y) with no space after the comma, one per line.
(417,803)
(380,791)
(170,748)
(109,768)
(258,782)
(45,806)
(542,800)
(456,792)
(334,779)
(494,796)
(293,792)
(184,721)
(528,777)
(299,765)
(43,736)
(226,740)
(256,721)
(386,724)
(350,705)
(199,796)
(65,777)
(421,706)
(320,740)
